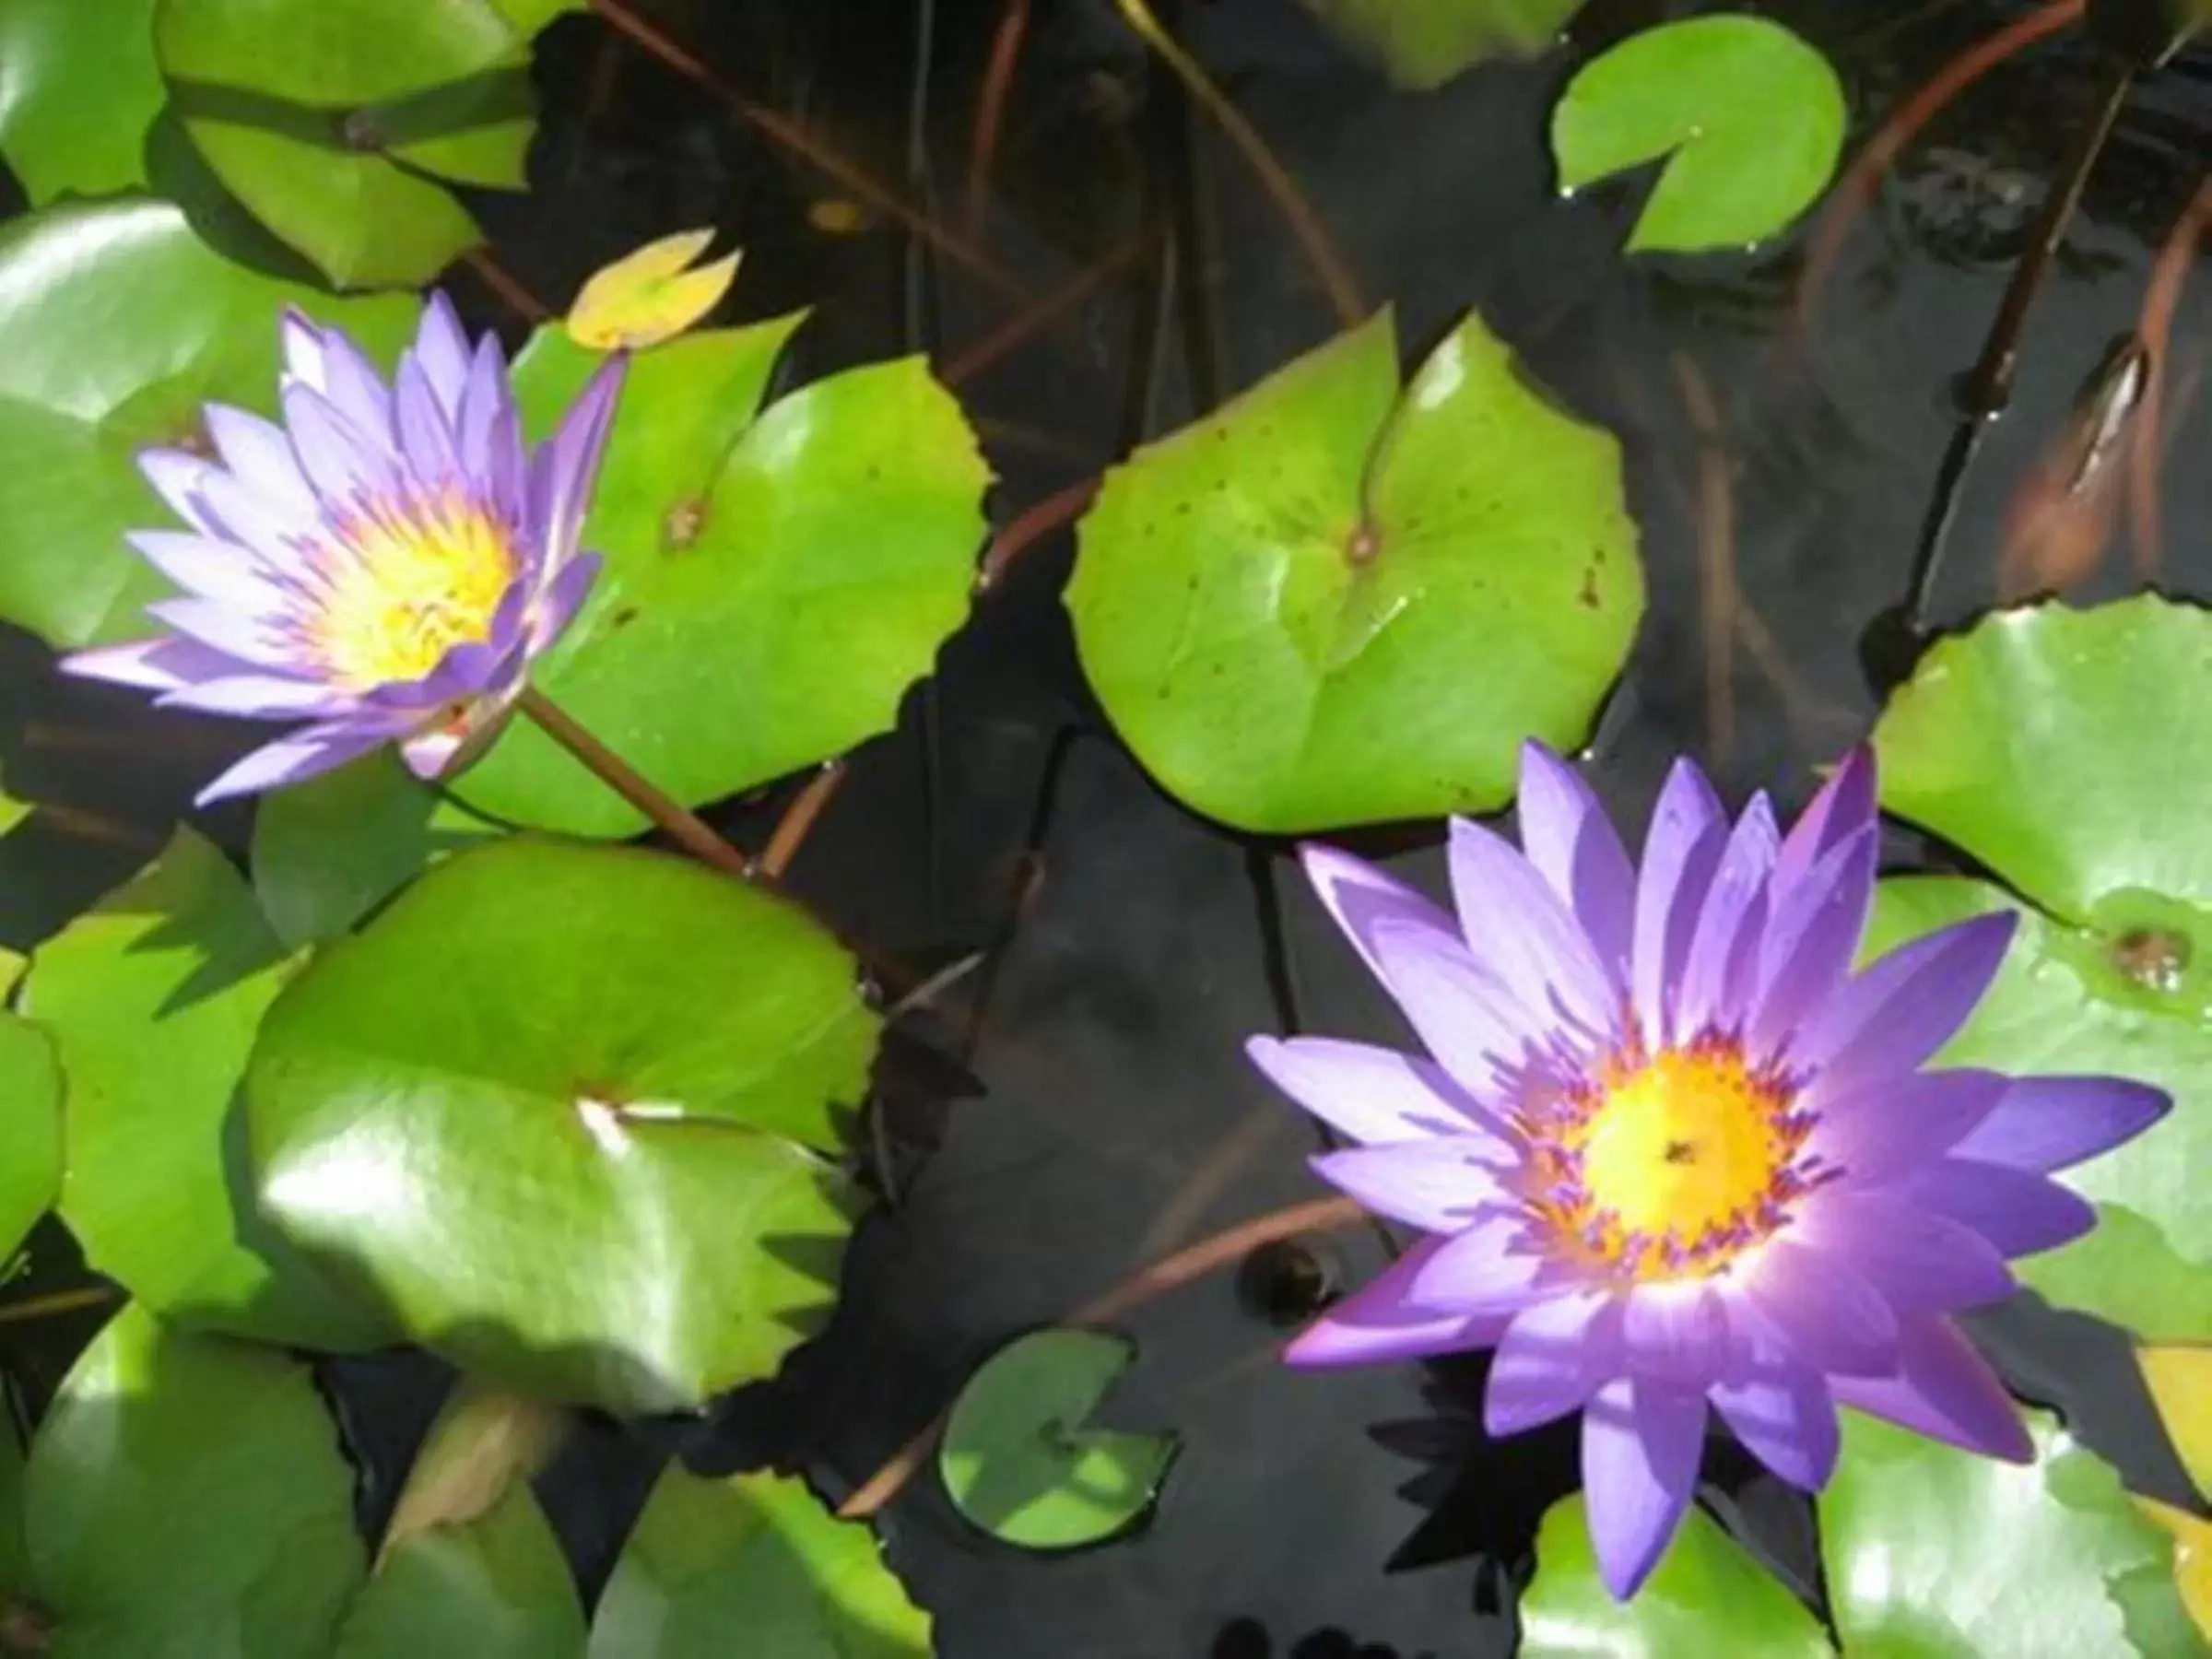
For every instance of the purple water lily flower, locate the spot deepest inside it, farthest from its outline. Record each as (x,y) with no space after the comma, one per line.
(383,566)
(1669,1151)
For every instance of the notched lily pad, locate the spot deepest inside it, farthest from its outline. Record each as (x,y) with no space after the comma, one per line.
(775,578)
(1331,603)
(1019,1460)
(1425,43)
(566,1112)
(1749,117)
(752,1566)
(334,122)
(79,90)
(2067,750)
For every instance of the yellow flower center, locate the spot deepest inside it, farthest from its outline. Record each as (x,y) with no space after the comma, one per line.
(1671,1165)
(407,585)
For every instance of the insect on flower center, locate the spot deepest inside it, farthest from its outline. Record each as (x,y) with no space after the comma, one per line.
(1669,1167)
(406,582)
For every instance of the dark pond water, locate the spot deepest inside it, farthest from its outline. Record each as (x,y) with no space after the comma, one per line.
(1109,1114)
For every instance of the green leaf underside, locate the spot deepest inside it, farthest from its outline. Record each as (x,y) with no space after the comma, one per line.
(186,1498)
(152,998)
(563,1111)
(78,89)
(1936,1553)
(1017,1460)
(1271,679)
(2067,751)
(327,140)
(1707,1598)
(1424,45)
(773,582)
(1750,118)
(752,1566)
(497,1587)
(31,1128)
(116,324)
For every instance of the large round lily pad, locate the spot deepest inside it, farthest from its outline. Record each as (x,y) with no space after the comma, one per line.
(774,582)
(1020,1459)
(31,1128)
(323,119)
(2071,753)
(1748,117)
(78,89)
(116,324)
(751,1567)
(563,1111)
(1426,43)
(1936,1553)
(186,1495)
(1706,1598)
(1330,604)
(152,998)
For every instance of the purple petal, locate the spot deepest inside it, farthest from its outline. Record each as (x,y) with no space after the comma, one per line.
(1463,1014)
(1523,932)
(2046,1124)
(1550,1360)
(1893,1016)
(425,442)
(304,753)
(1811,937)
(1827,1315)
(1942,1388)
(258,696)
(561,599)
(1572,843)
(1375,1323)
(1786,1419)
(1358,895)
(156,664)
(260,525)
(1490,1266)
(176,477)
(352,386)
(302,338)
(239,633)
(260,455)
(219,571)
(484,402)
(1374,1096)
(570,460)
(2018,1211)
(344,463)
(1732,906)
(1675,1331)
(442,347)
(1681,850)
(1876,1133)
(1914,1258)
(1437,1186)
(1844,808)
(1642,1446)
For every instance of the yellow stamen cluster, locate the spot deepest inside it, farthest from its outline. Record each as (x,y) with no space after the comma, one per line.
(407,583)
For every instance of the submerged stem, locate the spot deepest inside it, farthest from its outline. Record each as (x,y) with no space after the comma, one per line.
(686,827)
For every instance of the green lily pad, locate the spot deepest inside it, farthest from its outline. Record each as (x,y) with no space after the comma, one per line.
(2064,750)
(527,18)
(562,1111)
(752,1566)
(329,850)
(151,999)
(1936,1553)
(116,324)
(1706,1598)
(1748,117)
(31,1128)
(1019,1461)
(497,1587)
(325,119)
(1425,43)
(186,1496)
(773,583)
(1282,665)
(78,89)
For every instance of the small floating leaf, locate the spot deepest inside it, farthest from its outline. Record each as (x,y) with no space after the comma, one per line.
(31,1127)
(1749,119)
(2180,1379)
(1944,1554)
(1333,603)
(2192,1536)
(152,998)
(650,296)
(1019,1460)
(78,89)
(554,1084)
(1423,43)
(493,1587)
(752,1566)
(185,1495)
(2070,752)
(1706,1598)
